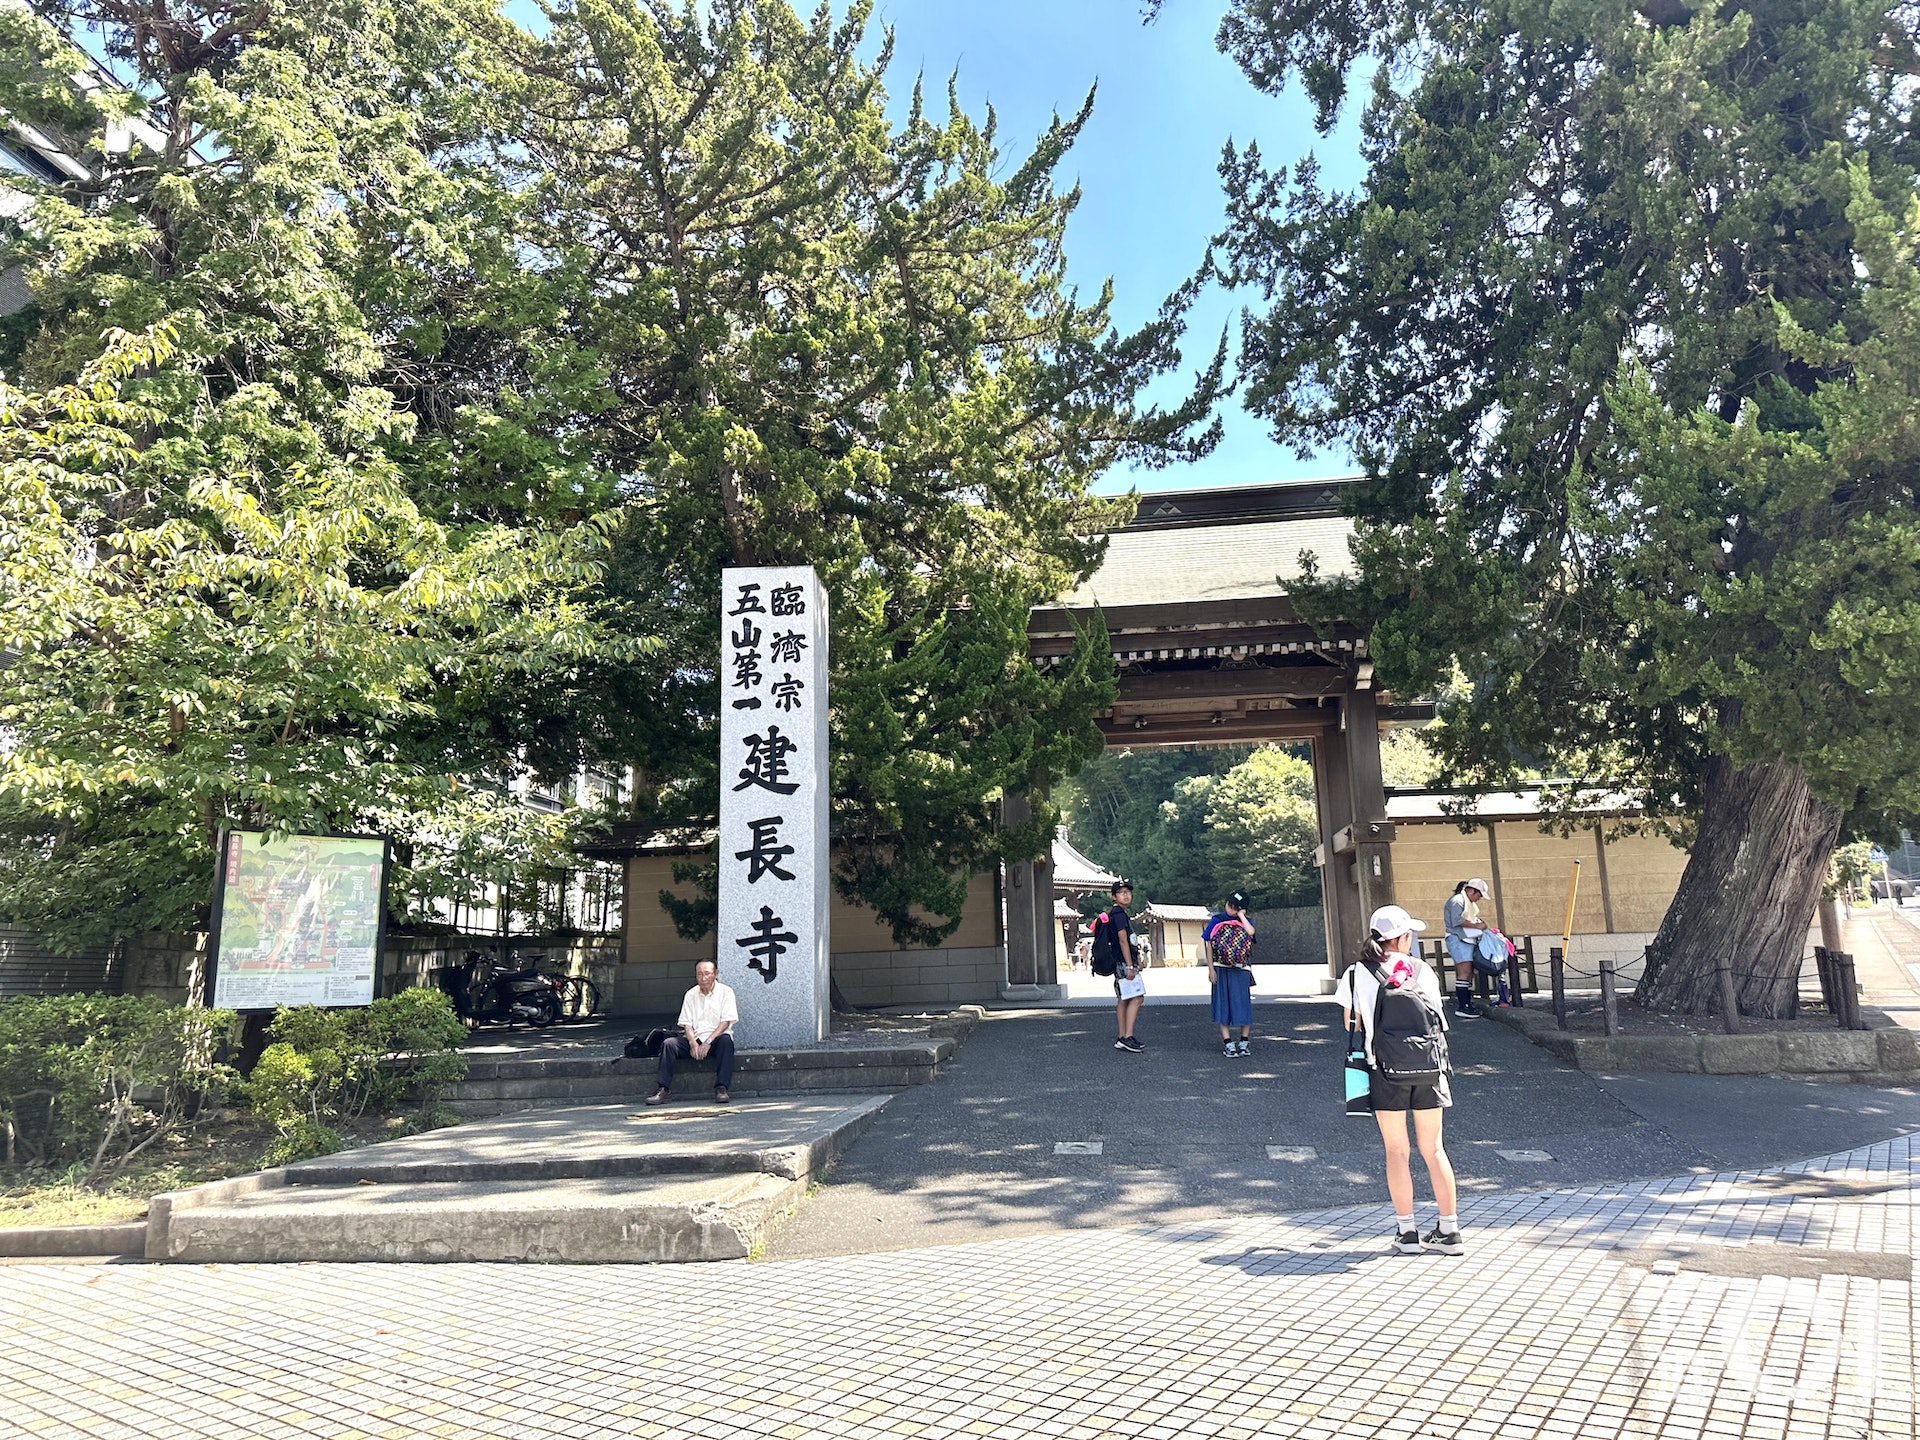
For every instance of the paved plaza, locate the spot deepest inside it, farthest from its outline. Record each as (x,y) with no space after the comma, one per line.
(1187,1134)
(1640,1264)
(1773,1305)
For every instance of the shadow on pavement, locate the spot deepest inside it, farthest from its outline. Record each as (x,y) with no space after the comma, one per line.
(1184,1130)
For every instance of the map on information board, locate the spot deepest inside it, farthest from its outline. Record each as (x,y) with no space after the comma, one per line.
(297,920)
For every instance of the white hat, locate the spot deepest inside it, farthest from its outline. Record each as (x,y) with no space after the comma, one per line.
(1481,886)
(1390,922)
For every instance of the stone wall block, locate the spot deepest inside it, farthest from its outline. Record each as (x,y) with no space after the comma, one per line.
(1899,1049)
(1741,1054)
(1829,1050)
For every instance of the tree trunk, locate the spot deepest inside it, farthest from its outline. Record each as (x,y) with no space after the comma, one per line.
(1748,894)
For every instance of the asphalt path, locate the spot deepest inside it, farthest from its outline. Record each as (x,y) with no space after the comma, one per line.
(1184,1131)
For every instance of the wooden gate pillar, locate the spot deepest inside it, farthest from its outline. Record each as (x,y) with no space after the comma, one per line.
(1372,836)
(1339,898)
(1032,957)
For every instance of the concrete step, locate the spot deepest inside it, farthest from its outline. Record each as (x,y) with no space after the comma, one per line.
(588,1184)
(598,1221)
(494,1086)
(792,1137)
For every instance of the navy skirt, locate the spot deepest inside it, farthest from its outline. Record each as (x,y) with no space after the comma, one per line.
(1232,997)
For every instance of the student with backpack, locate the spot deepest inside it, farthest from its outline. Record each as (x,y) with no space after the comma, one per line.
(1113,955)
(1228,937)
(1465,930)
(1391,1002)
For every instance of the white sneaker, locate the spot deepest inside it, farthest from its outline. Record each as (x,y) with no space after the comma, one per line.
(1230,1049)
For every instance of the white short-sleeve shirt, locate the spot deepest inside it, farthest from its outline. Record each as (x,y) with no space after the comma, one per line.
(706,1013)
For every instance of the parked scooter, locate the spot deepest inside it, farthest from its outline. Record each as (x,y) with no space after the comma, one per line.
(483,998)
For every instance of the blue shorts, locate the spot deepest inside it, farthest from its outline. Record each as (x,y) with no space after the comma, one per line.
(1232,996)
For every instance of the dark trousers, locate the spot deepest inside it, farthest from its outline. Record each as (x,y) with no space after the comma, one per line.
(676,1049)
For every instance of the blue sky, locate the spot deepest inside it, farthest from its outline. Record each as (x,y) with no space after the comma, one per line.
(1146,163)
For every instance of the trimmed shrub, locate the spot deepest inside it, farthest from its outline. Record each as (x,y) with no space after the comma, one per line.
(91,1081)
(322,1066)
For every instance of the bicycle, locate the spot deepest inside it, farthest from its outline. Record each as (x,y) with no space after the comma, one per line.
(579,996)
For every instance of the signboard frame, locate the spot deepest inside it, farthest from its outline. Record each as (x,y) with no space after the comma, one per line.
(216,926)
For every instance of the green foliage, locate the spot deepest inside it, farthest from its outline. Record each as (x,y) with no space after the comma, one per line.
(1262,826)
(1407,760)
(92,1081)
(835,340)
(1622,325)
(1627,353)
(276,374)
(1190,825)
(468,357)
(334,1064)
(301,1138)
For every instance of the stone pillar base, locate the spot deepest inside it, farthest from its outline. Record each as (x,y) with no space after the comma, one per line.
(1033,992)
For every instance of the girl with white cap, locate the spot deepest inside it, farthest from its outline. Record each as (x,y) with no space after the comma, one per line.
(1388,961)
(1464,929)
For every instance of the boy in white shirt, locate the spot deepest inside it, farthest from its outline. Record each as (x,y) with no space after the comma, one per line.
(708,1014)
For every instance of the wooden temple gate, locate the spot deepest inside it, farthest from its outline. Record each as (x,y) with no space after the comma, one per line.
(1210,651)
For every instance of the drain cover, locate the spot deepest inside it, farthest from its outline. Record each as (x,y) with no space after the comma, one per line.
(1078,1147)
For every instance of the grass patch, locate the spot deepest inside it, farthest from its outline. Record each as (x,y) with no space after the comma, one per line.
(233,1147)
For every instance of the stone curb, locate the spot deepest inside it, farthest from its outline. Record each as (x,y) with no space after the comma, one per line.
(1868,1057)
(161,1208)
(25,1241)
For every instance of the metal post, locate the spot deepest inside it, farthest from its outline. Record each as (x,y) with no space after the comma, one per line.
(1729,1000)
(1558,962)
(1609,997)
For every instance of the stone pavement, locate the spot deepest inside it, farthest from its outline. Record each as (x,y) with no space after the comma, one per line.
(1184,1132)
(1775,1305)
(1886,949)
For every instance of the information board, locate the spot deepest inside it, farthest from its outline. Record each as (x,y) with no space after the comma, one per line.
(297,919)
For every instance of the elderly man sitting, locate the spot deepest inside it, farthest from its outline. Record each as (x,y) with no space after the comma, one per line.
(707,1017)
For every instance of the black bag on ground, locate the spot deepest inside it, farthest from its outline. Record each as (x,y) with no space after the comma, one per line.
(647,1046)
(1409,1037)
(1105,959)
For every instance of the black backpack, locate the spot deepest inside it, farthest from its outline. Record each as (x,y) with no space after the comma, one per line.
(1105,959)
(647,1046)
(1409,1037)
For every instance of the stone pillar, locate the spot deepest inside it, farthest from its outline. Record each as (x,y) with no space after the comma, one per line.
(775,894)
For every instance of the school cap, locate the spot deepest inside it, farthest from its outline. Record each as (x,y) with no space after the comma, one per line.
(1390,922)
(1118,886)
(1238,899)
(1481,886)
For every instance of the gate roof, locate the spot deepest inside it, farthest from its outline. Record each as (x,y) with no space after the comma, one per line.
(1207,642)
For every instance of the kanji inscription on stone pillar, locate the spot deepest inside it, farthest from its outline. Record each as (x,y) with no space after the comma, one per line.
(774,941)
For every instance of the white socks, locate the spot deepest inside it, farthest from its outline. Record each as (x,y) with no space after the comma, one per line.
(1450,1224)
(1405,1222)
